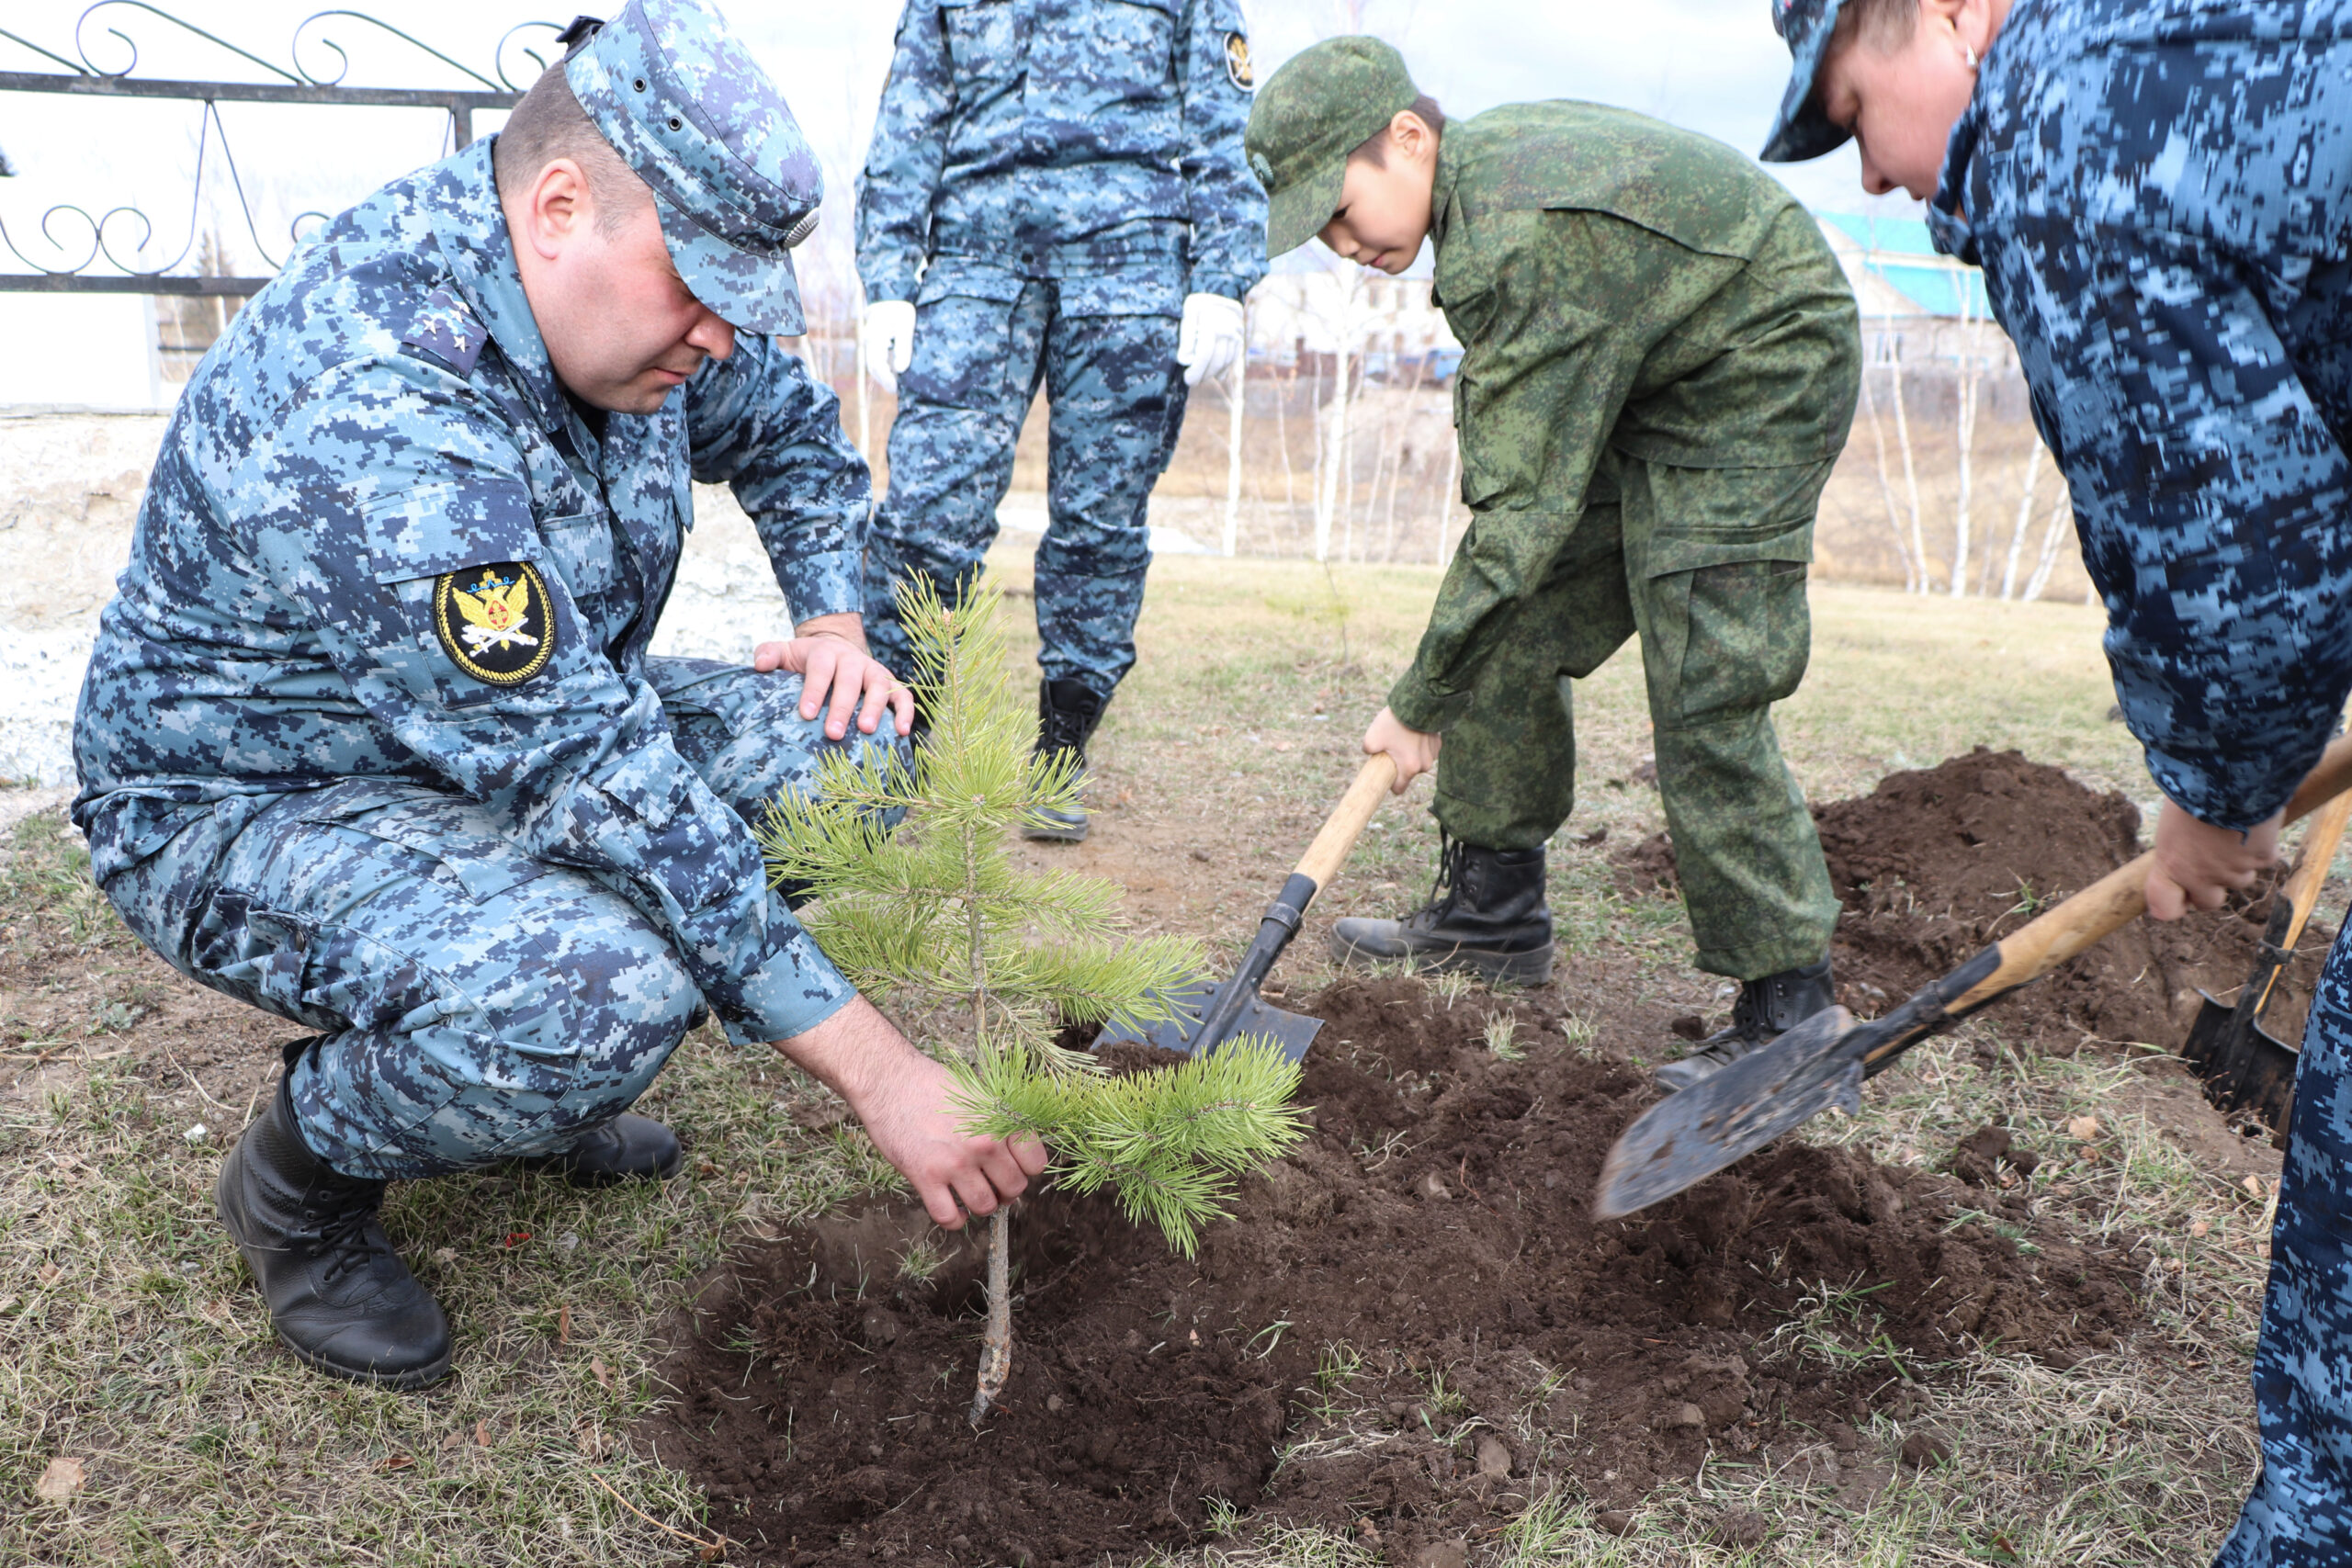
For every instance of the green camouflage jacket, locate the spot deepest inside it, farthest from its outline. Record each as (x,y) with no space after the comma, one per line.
(1619,287)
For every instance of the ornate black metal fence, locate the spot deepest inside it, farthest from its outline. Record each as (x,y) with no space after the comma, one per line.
(98,237)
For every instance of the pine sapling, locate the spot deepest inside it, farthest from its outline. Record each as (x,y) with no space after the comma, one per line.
(918,902)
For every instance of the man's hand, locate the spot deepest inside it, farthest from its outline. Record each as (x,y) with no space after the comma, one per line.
(1209,338)
(2197,864)
(1413,752)
(829,655)
(889,340)
(902,1096)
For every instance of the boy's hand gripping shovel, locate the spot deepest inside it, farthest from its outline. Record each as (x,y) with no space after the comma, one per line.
(1209,1014)
(1821,1062)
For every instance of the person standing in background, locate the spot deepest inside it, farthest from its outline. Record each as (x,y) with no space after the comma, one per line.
(1055,196)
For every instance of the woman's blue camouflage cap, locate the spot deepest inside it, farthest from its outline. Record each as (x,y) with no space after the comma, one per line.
(689,110)
(1801,130)
(1322,106)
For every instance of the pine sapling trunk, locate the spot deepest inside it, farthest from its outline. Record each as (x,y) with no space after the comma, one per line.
(996,1343)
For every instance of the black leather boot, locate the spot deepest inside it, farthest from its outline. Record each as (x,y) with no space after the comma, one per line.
(626,1148)
(1068,712)
(1485,915)
(1766,1009)
(338,1296)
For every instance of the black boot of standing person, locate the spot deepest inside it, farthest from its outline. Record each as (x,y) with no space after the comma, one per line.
(1486,916)
(338,1295)
(1068,712)
(1767,1009)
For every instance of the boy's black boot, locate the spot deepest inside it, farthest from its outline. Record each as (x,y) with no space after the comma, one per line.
(1766,1009)
(1486,916)
(337,1295)
(1068,712)
(629,1147)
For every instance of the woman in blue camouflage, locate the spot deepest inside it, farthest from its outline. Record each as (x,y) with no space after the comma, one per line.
(2160,195)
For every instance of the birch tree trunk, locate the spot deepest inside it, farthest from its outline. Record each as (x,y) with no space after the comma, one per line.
(1903,439)
(1885,486)
(2061,516)
(1967,443)
(2025,517)
(1236,394)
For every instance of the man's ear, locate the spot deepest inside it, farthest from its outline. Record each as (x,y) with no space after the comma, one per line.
(557,206)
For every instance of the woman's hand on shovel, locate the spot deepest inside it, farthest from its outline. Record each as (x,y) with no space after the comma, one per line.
(2197,864)
(1413,750)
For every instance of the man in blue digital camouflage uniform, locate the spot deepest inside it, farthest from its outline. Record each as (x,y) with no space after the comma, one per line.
(370,738)
(1054,194)
(2161,197)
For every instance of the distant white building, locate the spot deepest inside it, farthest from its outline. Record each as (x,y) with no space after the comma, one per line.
(1388,322)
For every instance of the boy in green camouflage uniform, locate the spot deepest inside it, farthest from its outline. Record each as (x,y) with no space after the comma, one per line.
(1660,363)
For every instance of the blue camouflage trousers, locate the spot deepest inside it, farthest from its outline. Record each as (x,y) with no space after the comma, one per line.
(1106,356)
(476,1003)
(2299,1513)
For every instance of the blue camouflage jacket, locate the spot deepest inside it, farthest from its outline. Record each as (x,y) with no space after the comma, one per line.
(2160,193)
(1065,138)
(379,542)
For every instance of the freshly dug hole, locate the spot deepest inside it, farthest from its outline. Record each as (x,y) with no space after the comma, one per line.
(1404,1302)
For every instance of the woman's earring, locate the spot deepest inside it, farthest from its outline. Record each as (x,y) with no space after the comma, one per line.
(1969,55)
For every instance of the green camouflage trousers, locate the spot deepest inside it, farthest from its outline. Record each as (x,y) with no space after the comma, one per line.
(1707,566)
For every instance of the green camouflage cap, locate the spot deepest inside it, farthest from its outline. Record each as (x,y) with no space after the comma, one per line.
(1322,106)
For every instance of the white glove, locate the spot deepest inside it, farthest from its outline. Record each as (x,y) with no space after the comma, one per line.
(889,339)
(1209,341)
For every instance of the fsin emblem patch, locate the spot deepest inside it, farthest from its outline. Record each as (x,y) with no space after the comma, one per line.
(494,622)
(1236,61)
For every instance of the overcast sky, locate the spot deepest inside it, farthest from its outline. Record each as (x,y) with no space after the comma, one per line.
(1711,65)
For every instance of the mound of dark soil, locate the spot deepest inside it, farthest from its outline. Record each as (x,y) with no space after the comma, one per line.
(1935,865)
(1399,1304)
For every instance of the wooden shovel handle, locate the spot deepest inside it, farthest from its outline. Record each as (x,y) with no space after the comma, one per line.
(2121,897)
(1330,851)
(2311,869)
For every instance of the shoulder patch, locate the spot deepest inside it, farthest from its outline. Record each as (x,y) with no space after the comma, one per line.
(494,622)
(446,331)
(1237,62)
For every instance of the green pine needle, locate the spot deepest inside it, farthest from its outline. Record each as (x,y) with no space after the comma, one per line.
(933,917)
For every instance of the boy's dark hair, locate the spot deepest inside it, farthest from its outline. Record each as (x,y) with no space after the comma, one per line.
(1374,149)
(549,124)
(1885,23)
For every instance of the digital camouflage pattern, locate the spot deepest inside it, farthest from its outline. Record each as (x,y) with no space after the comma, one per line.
(985,340)
(1720,644)
(380,422)
(1660,361)
(1065,137)
(2161,197)
(1047,180)
(736,183)
(2299,1511)
(480,1001)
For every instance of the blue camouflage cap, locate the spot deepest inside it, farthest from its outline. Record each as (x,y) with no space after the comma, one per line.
(1801,130)
(689,110)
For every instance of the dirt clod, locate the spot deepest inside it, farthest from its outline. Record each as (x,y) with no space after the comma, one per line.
(1616,1521)
(1923,1450)
(1739,1529)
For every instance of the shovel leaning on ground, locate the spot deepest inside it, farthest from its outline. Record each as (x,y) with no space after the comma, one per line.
(1821,1062)
(1209,1013)
(2245,1067)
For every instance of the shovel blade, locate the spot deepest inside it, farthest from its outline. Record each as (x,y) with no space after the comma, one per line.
(2257,1075)
(1293,1031)
(1689,1136)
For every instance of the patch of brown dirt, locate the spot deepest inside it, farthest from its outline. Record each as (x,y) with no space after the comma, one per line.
(1936,864)
(1415,1289)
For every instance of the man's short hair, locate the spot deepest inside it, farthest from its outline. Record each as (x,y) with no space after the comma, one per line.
(1373,150)
(549,124)
(1886,24)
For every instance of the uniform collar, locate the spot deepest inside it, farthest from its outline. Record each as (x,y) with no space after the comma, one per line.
(471,229)
(1449,174)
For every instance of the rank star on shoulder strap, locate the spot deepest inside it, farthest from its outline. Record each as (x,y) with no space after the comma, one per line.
(494,622)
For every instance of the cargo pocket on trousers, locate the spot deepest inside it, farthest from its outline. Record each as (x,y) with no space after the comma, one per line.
(1747,635)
